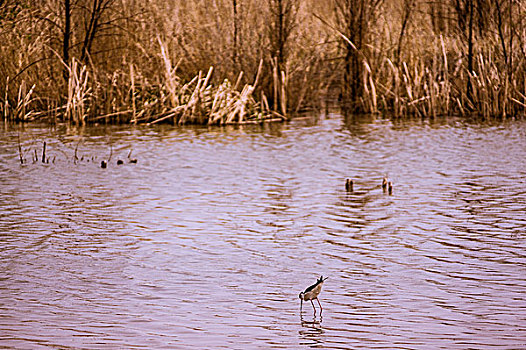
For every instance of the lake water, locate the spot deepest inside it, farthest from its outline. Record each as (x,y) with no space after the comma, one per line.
(206,242)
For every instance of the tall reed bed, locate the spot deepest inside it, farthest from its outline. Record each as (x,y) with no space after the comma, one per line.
(172,100)
(435,85)
(431,72)
(241,61)
(205,62)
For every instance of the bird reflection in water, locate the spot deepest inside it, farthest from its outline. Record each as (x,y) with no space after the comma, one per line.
(314,323)
(311,331)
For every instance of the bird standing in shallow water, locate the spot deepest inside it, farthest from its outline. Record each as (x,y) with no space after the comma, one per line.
(312,293)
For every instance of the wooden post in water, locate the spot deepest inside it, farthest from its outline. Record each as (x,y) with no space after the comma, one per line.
(20,150)
(44,153)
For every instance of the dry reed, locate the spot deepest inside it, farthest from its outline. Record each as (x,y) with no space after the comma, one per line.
(210,63)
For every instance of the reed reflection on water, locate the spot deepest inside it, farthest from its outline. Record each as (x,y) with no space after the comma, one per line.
(207,240)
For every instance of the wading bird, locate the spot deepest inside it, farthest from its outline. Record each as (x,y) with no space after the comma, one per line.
(311,293)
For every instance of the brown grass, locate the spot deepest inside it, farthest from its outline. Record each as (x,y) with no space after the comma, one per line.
(206,63)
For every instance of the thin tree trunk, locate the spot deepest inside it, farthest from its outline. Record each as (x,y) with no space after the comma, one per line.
(510,46)
(99,6)
(67,33)
(408,8)
(500,29)
(235,39)
(281,40)
(470,52)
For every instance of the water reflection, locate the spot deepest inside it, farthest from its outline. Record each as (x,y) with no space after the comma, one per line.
(206,241)
(311,333)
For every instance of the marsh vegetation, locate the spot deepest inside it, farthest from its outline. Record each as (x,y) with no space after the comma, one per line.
(248,61)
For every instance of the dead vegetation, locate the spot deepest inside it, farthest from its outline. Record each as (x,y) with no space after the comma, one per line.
(247,61)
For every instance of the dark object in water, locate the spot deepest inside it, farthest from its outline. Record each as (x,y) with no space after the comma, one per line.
(103,164)
(390,187)
(133,160)
(44,153)
(349,185)
(384,184)
(120,162)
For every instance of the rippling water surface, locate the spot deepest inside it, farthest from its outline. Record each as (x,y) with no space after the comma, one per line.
(206,242)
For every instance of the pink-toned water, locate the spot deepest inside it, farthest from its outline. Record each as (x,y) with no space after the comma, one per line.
(206,242)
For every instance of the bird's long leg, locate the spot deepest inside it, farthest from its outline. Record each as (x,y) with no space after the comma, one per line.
(313,306)
(301,306)
(321,309)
